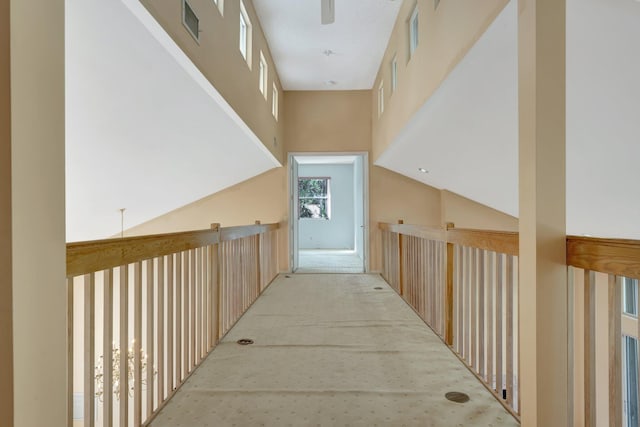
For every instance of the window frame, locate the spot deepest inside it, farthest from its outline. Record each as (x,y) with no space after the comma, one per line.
(394,74)
(245,34)
(380,98)
(263,75)
(414,31)
(274,101)
(185,6)
(326,197)
(220,5)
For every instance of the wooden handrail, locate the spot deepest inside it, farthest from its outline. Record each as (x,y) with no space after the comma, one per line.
(498,241)
(613,256)
(97,255)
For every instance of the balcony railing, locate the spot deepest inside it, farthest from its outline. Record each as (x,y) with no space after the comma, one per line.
(464,285)
(145,311)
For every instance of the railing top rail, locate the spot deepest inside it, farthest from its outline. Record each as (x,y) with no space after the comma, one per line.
(506,242)
(97,255)
(422,231)
(612,256)
(498,241)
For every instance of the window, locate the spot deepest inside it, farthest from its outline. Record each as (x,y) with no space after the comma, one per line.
(394,74)
(264,76)
(245,34)
(630,296)
(274,102)
(413,32)
(630,381)
(381,99)
(190,20)
(220,4)
(314,201)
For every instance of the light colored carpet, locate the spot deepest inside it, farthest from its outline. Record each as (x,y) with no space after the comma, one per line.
(330,350)
(329,261)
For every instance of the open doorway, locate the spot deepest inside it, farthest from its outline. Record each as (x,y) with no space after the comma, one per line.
(328,211)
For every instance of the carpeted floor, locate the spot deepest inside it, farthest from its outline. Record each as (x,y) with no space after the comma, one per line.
(330,350)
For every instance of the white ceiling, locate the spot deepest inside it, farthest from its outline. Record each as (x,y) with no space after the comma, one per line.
(298,41)
(145,130)
(466,135)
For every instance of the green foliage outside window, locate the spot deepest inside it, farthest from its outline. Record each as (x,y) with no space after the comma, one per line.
(313,198)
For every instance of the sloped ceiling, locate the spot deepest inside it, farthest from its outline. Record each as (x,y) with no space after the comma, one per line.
(145,130)
(466,135)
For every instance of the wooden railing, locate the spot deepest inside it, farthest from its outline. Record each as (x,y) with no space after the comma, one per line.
(603,327)
(463,284)
(145,311)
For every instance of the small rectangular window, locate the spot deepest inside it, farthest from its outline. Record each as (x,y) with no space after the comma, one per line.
(190,20)
(274,102)
(413,32)
(394,74)
(380,99)
(263,75)
(630,381)
(245,34)
(220,4)
(314,198)
(630,296)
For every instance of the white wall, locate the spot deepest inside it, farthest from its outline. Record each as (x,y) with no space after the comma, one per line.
(337,232)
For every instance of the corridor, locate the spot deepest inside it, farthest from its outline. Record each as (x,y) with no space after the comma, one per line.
(331,350)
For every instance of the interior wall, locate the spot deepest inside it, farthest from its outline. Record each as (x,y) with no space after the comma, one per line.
(445,35)
(218,57)
(337,232)
(6,321)
(466,213)
(38,212)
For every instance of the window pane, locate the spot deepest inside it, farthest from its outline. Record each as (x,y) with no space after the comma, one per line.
(243,36)
(313,198)
(191,20)
(631,381)
(630,296)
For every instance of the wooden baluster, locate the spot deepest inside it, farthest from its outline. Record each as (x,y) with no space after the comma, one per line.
(137,344)
(460,297)
(258,266)
(179,346)
(490,295)
(499,323)
(89,349)
(160,330)
(171,289)
(107,348)
(197,308)
(215,275)
(186,368)
(615,351)
(589,348)
(466,312)
(474,309)
(401,257)
(150,338)
(510,330)
(481,315)
(192,308)
(124,345)
(70,352)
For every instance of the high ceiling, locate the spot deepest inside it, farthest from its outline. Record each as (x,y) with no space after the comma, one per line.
(466,134)
(339,56)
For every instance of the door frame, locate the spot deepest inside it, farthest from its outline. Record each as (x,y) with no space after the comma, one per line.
(293,198)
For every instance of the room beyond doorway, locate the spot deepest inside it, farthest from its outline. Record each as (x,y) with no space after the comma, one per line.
(328,211)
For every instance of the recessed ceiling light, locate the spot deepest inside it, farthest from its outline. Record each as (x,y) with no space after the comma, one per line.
(423,170)
(331,82)
(328,52)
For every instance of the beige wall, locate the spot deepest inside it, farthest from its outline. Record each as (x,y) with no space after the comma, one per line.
(445,36)
(6,321)
(466,213)
(218,57)
(38,211)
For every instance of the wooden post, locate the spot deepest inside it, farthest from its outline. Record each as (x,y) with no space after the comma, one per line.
(258,259)
(449,291)
(401,271)
(542,295)
(215,264)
